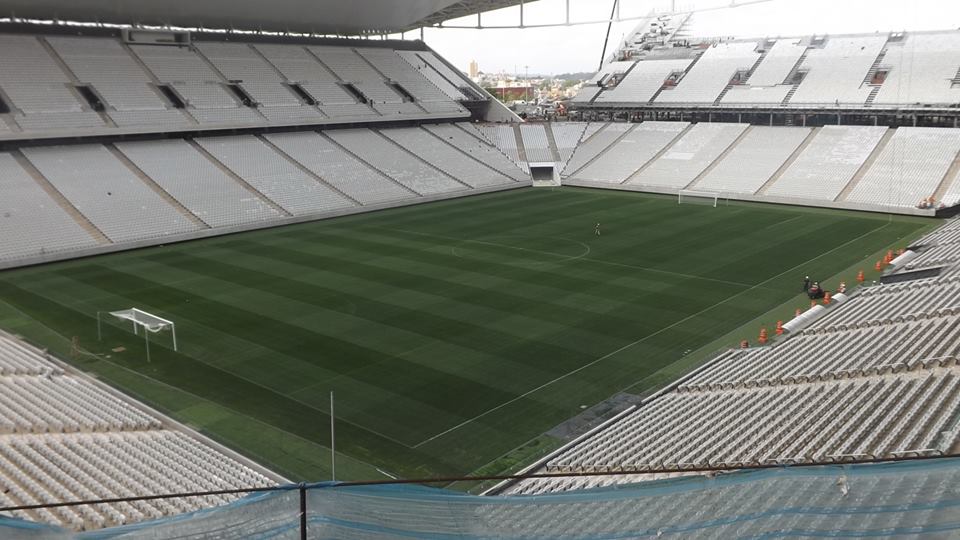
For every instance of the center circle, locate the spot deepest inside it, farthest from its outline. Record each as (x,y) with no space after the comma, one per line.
(521,250)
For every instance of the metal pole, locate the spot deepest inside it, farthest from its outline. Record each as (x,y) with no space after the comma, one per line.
(606,40)
(174,328)
(303,511)
(99,335)
(146,337)
(333,443)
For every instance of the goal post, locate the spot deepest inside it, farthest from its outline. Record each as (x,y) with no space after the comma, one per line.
(690,196)
(140,320)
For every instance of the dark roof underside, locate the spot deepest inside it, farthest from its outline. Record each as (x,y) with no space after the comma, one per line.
(344,17)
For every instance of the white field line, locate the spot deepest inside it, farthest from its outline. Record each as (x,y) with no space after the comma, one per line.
(243,451)
(566,257)
(641,340)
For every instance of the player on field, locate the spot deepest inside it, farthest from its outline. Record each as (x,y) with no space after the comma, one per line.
(596,230)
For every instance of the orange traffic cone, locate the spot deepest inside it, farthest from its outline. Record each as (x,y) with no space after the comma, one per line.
(860,277)
(763,336)
(888,257)
(779,328)
(826,299)
(878,267)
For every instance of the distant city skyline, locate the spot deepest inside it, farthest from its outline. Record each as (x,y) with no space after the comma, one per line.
(555,50)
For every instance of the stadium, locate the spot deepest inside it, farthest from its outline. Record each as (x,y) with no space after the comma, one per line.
(283,270)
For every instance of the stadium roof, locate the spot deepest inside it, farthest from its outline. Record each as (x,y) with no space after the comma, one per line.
(345,17)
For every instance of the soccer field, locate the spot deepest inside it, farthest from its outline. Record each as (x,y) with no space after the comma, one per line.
(451,333)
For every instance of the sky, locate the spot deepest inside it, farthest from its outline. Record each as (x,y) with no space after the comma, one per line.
(566,49)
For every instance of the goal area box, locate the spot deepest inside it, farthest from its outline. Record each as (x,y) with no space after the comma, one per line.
(706,198)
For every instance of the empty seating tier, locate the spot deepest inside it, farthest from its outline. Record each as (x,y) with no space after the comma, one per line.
(198,184)
(395,162)
(593,144)
(689,156)
(711,73)
(337,167)
(276,178)
(467,140)
(446,158)
(754,160)
(567,136)
(535,143)
(828,163)
(112,72)
(33,223)
(118,202)
(631,152)
(65,438)
(922,69)
(62,200)
(914,70)
(910,168)
(643,81)
(504,138)
(86,86)
(834,74)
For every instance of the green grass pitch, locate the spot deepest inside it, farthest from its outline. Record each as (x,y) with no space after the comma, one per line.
(451,333)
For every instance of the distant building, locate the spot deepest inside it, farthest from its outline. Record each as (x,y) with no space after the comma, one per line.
(474,69)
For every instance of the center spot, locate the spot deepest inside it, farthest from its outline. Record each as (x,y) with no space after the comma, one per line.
(521,250)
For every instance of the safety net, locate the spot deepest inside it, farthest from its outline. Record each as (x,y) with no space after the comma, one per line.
(918,499)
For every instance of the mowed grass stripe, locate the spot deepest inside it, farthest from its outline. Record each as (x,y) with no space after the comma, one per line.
(286,373)
(657,347)
(392,376)
(393,274)
(423,317)
(243,396)
(473,400)
(558,280)
(275,335)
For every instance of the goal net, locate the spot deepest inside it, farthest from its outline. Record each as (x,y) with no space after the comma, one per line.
(140,321)
(709,198)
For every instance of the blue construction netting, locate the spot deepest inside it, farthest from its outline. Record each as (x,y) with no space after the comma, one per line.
(919,499)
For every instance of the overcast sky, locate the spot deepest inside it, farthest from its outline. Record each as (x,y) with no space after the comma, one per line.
(578,48)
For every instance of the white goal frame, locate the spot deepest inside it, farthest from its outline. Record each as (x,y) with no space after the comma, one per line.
(151,324)
(694,194)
